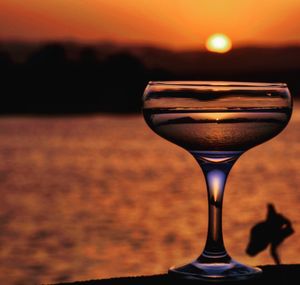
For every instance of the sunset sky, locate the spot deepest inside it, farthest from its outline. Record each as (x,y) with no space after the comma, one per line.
(170,23)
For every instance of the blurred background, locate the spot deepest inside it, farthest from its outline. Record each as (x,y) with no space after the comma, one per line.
(87,190)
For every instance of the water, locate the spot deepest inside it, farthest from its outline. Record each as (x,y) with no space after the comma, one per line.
(217,130)
(101,196)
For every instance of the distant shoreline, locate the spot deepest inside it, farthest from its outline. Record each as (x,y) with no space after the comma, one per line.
(71,78)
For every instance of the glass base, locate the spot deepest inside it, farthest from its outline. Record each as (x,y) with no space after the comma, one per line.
(215,272)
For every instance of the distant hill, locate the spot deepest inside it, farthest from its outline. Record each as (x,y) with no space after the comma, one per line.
(72,77)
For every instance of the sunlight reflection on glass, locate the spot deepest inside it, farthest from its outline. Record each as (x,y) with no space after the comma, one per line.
(216,122)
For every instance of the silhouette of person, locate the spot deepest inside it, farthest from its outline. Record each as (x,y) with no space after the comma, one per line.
(273,231)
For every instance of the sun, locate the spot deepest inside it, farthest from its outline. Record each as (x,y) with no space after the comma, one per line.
(218,43)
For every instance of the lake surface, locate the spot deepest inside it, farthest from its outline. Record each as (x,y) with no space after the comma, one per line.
(103,196)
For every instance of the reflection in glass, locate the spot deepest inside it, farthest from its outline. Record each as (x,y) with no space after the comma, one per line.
(216,122)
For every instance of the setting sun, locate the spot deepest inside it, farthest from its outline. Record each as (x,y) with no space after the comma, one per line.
(218,43)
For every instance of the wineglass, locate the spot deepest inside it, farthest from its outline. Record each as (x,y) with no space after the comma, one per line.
(216,121)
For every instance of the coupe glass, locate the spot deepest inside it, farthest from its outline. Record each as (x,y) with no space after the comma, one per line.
(216,122)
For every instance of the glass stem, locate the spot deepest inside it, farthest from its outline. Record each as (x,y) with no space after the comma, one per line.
(215,175)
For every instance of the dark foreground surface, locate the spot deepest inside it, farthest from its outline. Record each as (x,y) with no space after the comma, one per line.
(272,274)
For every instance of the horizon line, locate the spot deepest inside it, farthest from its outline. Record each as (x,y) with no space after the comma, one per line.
(141,44)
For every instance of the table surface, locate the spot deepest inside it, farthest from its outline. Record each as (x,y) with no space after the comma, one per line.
(276,274)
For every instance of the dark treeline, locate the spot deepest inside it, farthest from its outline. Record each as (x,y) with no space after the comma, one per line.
(51,80)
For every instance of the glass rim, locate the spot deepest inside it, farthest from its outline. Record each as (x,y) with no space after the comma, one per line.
(229,84)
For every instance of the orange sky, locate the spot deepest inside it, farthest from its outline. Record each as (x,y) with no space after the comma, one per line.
(171,23)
